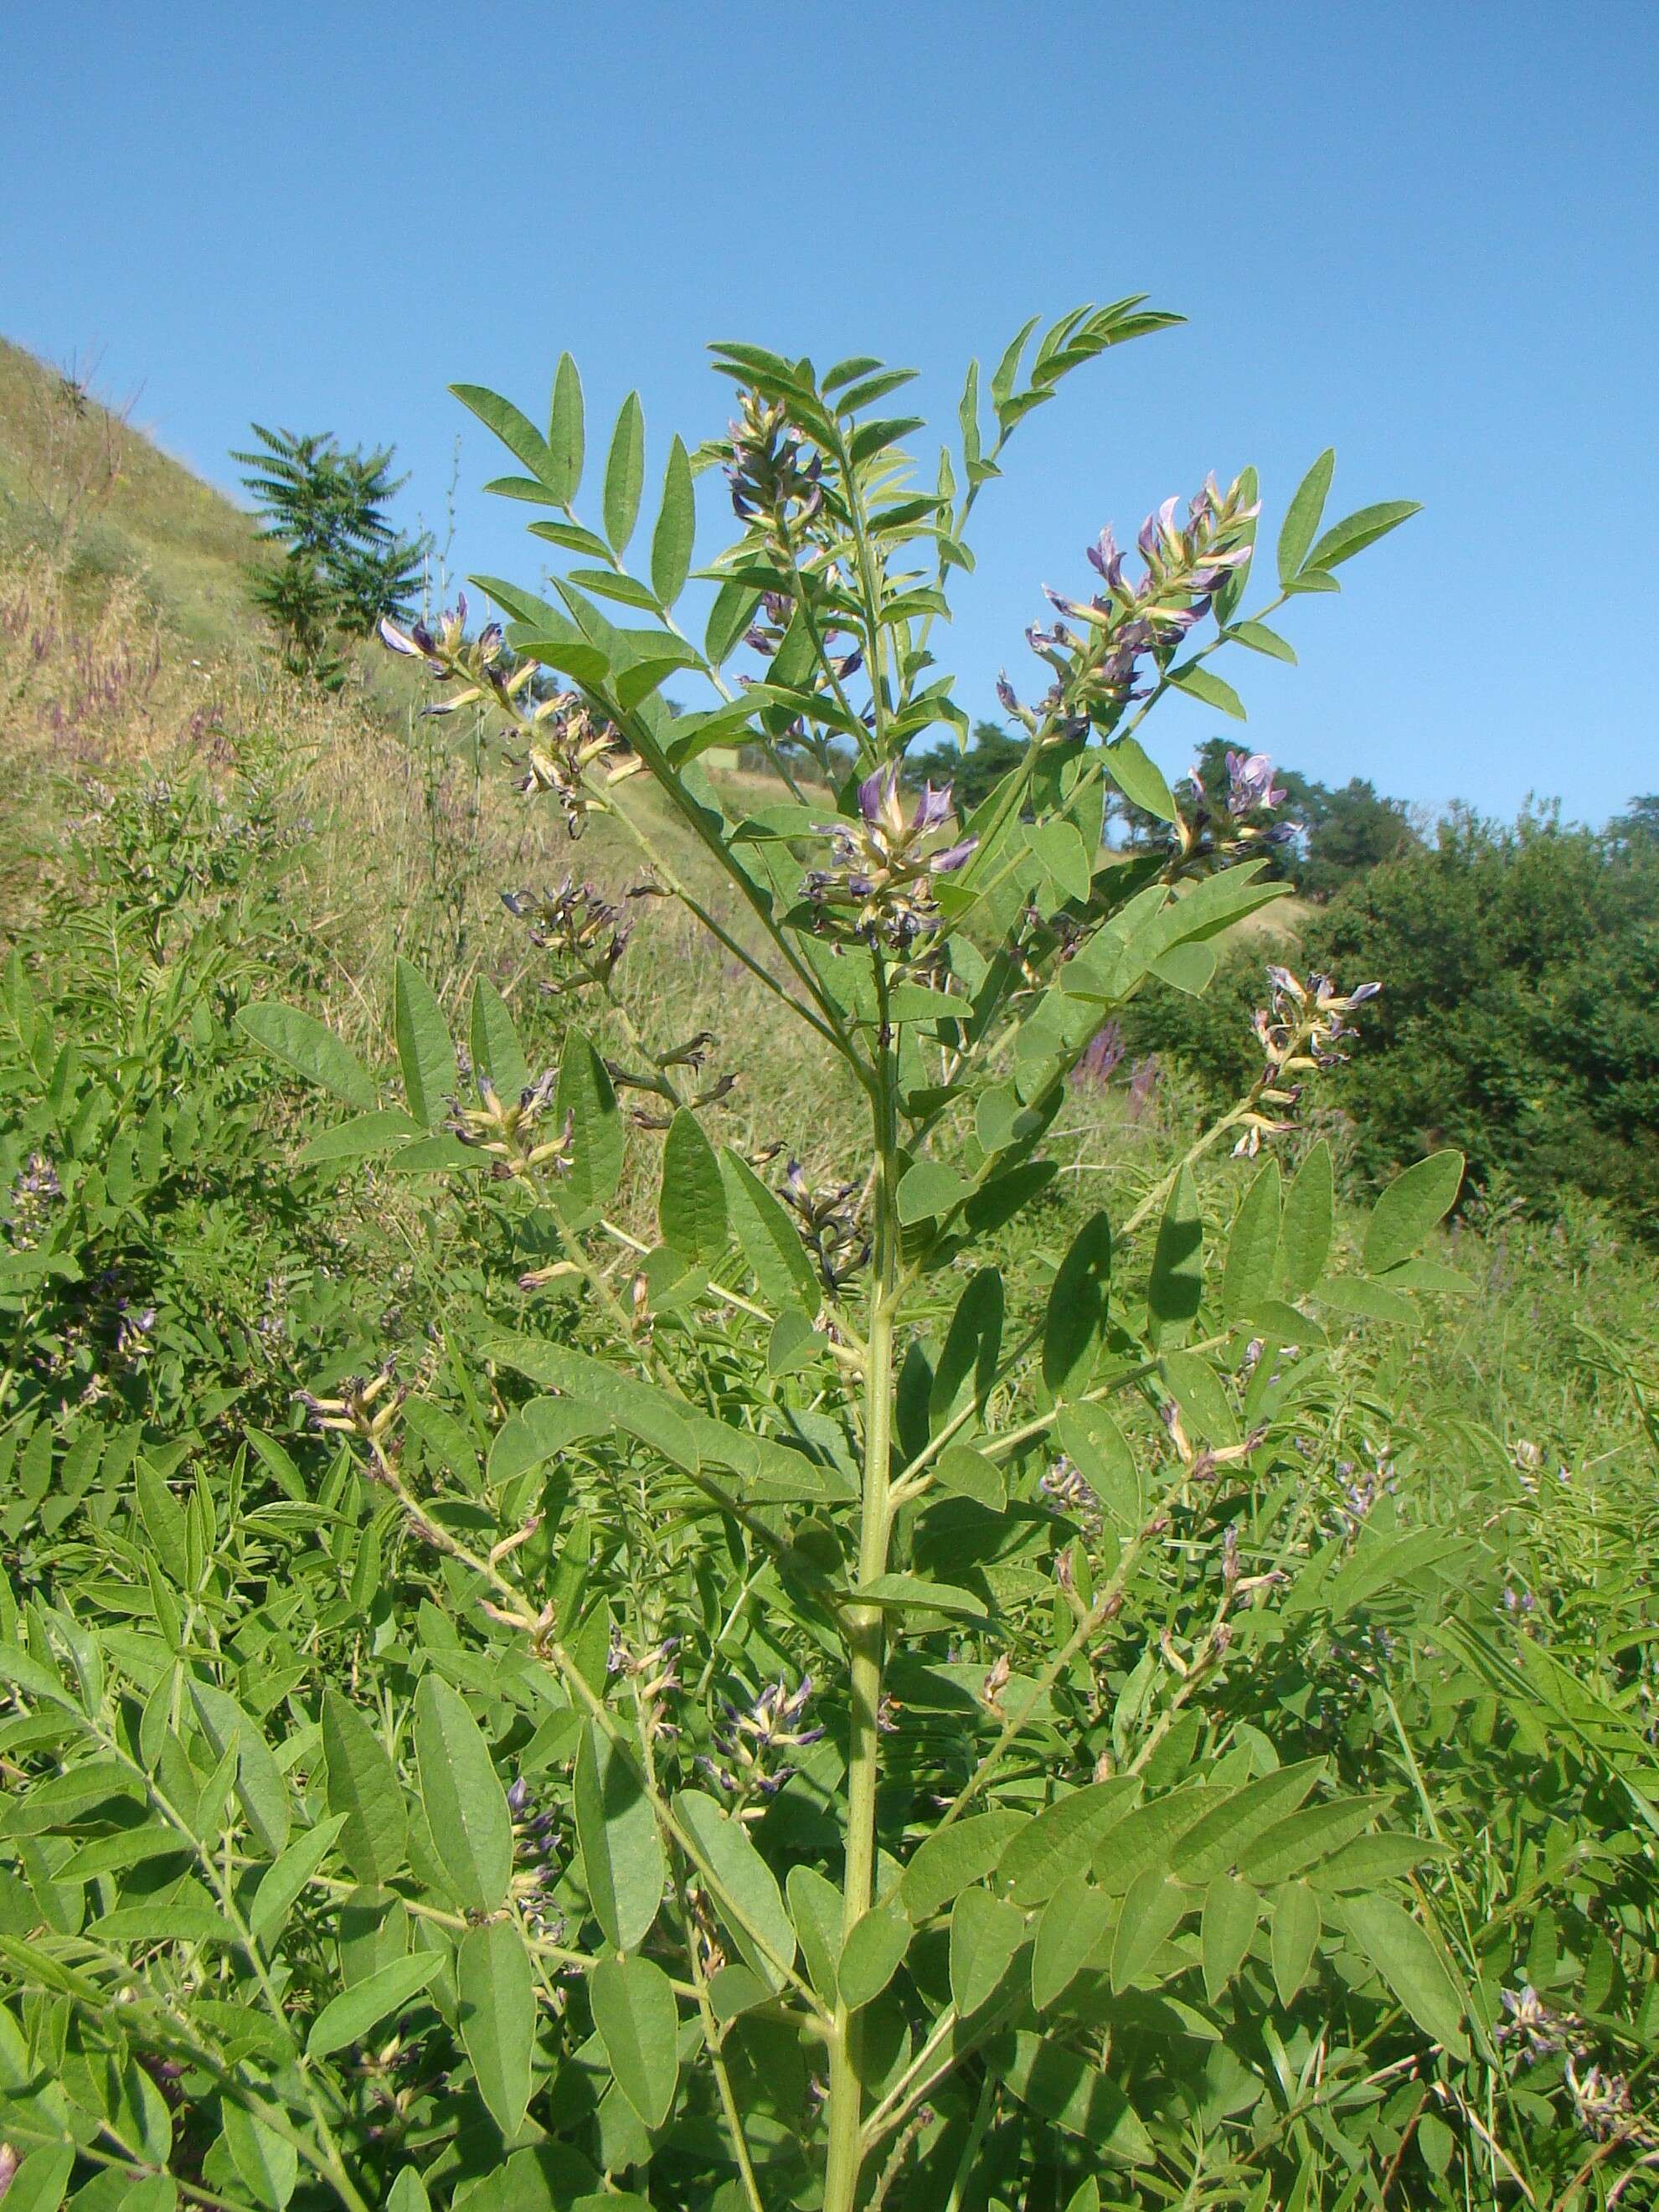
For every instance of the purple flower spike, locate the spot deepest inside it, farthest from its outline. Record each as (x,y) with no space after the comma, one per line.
(875,792)
(1250,783)
(932,807)
(1005,697)
(952,857)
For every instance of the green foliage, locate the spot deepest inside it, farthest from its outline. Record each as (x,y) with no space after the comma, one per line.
(927,1686)
(342,566)
(1520,1017)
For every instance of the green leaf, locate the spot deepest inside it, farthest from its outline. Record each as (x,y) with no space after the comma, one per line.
(691,1210)
(1410,1208)
(1217,1840)
(968,1363)
(1073,1925)
(814,1906)
(986,1931)
(408,2192)
(638,1408)
(1251,1275)
(1065,2087)
(1058,848)
(267,2162)
(1204,684)
(497,1051)
(1145,1838)
(1261,639)
(1231,1910)
(260,1789)
(280,1884)
(497,1991)
(729,619)
(565,435)
(1177,1288)
(311,1050)
(1090,1437)
(1060,1842)
(466,1808)
(1154,1908)
(1302,516)
(1360,529)
(624,475)
(1141,780)
(1409,1962)
(1309,1218)
(638,2021)
(1294,1931)
(945,1863)
(872,1953)
(355,1139)
(767,1239)
(163,1518)
(747,1881)
(348,2018)
(1304,1838)
(515,430)
(1075,1322)
(928,1188)
(966,1473)
(676,526)
(903,1594)
(425,1055)
(586,1098)
(362,1787)
(38,2183)
(622,1852)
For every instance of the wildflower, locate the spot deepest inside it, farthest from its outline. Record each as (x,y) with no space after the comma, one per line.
(584,931)
(512,1134)
(1100,1057)
(829,1224)
(566,742)
(776,478)
(1302,1028)
(1185,564)
(880,866)
(1070,1492)
(535,1872)
(751,1739)
(1250,783)
(35,1189)
(1144,1080)
(361,1409)
(1602,2104)
(133,1329)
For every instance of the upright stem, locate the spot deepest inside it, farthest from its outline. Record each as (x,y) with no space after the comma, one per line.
(865,1637)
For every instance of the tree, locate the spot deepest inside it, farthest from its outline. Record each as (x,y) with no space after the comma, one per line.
(343,565)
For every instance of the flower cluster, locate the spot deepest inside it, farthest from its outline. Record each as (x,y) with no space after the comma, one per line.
(881,869)
(534,1870)
(1302,1028)
(1228,823)
(564,738)
(1604,2108)
(367,1407)
(776,478)
(751,1741)
(584,931)
(1100,1057)
(829,1224)
(512,1134)
(658,1080)
(1070,1492)
(35,1191)
(1184,564)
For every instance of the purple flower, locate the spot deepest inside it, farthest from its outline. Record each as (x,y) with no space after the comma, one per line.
(931,808)
(1250,783)
(1101,1055)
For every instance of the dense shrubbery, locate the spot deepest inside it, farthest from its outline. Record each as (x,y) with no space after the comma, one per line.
(1002,1668)
(1519,1019)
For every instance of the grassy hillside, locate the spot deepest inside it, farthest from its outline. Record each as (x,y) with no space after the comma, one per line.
(91,492)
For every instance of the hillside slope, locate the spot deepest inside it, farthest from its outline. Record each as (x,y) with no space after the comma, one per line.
(88,489)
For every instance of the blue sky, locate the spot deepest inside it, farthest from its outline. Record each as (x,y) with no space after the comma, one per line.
(1423,233)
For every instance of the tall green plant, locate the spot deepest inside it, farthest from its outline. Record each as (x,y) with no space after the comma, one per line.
(786,1737)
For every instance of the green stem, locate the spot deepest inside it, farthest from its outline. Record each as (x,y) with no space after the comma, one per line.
(865,1635)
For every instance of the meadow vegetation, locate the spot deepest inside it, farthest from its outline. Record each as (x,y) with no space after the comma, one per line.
(723,1533)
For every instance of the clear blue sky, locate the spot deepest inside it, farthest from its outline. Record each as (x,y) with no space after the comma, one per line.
(1423,233)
